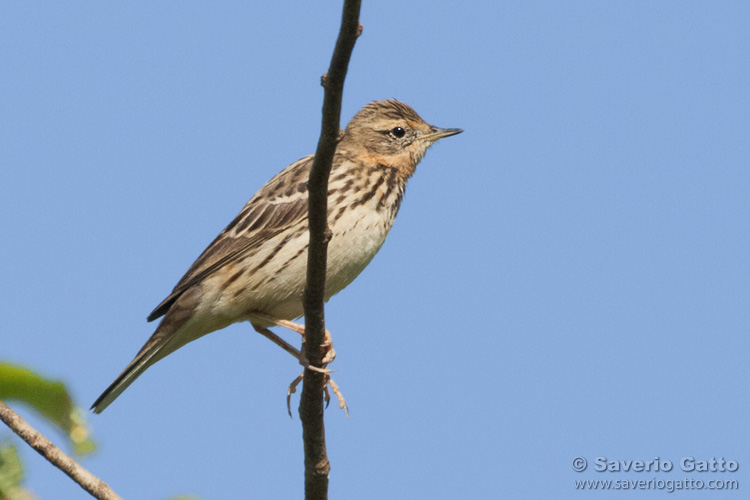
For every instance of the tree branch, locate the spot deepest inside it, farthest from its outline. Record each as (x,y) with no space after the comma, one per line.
(317,466)
(95,486)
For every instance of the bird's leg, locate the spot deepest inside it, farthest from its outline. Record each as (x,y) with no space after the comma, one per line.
(329,356)
(288,348)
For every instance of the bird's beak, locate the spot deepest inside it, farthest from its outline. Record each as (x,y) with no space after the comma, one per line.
(436,133)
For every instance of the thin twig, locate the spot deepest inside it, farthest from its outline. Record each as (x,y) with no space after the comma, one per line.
(317,466)
(95,486)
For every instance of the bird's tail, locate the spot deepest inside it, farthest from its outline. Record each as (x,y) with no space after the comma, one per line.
(154,350)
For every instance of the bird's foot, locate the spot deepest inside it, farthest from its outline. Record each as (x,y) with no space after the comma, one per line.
(328,382)
(329,354)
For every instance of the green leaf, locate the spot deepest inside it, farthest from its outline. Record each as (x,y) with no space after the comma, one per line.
(11,474)
(11,471)
(51,399)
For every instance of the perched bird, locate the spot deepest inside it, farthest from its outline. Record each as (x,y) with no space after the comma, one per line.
(255,270)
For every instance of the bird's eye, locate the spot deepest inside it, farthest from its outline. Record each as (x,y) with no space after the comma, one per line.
(398,132)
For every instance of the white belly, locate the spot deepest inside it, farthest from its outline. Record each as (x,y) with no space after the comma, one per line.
(277,289)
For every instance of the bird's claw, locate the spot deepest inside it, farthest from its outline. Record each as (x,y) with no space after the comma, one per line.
(337,392)
(291,390)
(327,396)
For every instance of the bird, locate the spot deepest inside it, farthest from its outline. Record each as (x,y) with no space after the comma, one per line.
(255,269)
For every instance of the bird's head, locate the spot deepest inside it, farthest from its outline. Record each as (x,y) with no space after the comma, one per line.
(391,133)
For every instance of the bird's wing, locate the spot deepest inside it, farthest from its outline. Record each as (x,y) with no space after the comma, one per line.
(280,204)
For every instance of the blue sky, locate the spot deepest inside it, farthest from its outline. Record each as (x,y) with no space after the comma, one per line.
(569,277)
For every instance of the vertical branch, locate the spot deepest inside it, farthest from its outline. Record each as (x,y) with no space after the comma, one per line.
(311,401)
(95,486)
